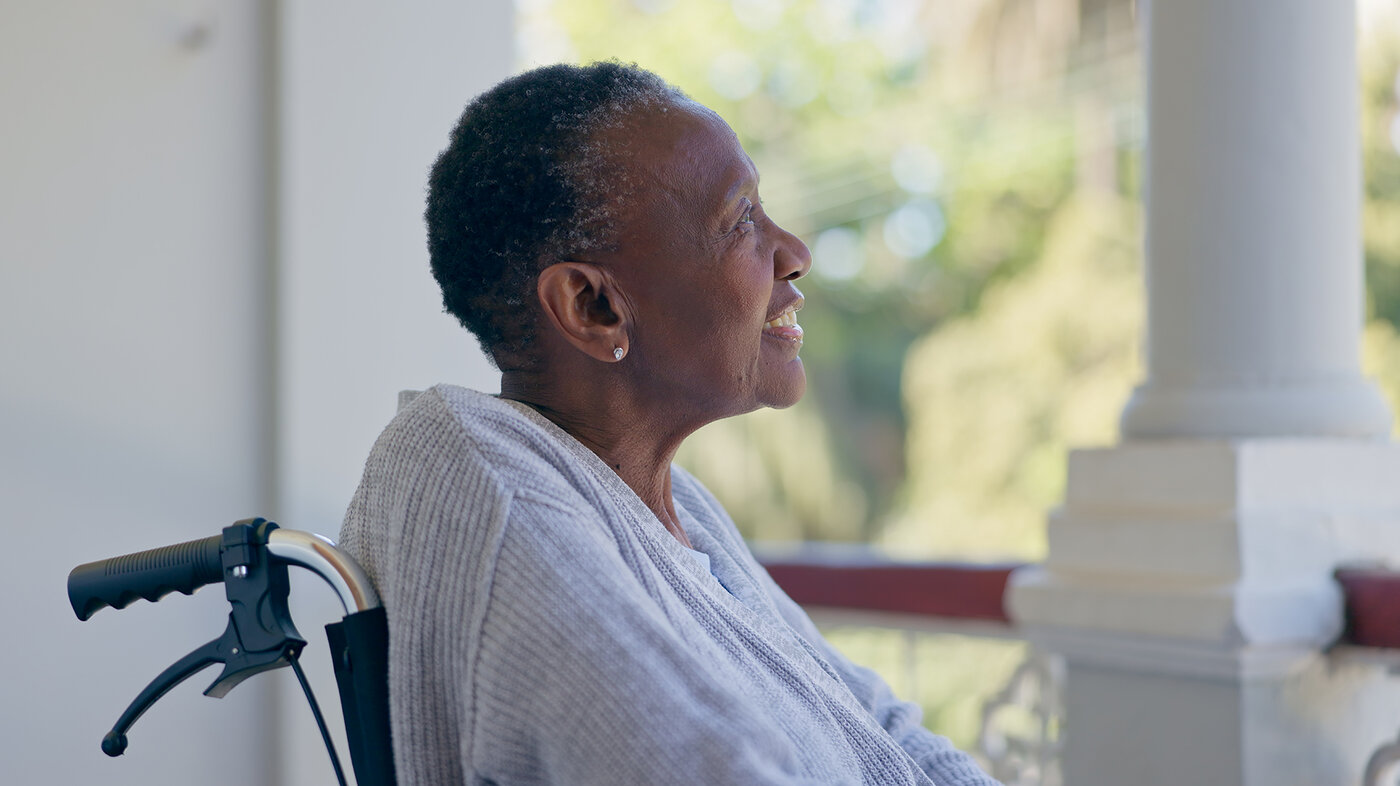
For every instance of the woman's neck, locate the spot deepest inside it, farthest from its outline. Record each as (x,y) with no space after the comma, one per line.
(635,441)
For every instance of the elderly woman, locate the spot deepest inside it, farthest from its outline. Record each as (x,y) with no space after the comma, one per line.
(565,605)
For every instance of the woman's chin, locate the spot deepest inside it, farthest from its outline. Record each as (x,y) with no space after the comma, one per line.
(784,386)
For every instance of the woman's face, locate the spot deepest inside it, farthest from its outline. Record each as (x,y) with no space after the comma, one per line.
(708,275)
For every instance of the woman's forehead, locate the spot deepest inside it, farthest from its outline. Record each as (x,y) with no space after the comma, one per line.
(689,149)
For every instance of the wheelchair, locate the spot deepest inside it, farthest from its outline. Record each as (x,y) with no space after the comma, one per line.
(251,558)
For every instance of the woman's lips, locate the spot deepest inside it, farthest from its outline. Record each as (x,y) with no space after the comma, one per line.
(785,326)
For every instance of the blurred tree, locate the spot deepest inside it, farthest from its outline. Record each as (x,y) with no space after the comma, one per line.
(1380,149)
(995,398)
(915,191)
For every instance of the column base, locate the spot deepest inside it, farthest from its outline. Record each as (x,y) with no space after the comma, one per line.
(1189,588)
(1319,724)
(1224,543)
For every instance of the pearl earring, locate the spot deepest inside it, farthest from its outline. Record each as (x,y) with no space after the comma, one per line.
(618,353)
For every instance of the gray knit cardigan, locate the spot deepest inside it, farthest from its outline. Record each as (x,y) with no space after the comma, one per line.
(546,628)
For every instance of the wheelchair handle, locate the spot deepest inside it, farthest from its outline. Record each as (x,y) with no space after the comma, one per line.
(185,567)
(150,574)
(320,556)
(251,558)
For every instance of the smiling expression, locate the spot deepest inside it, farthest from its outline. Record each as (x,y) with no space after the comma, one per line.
(706,273)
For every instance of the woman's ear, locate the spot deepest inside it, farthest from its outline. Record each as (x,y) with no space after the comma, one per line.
(584,304)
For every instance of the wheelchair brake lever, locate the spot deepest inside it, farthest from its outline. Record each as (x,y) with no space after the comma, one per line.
(259,636)
(114,743)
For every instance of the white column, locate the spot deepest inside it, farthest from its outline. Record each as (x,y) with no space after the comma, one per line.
(1254,274)
(1188,581)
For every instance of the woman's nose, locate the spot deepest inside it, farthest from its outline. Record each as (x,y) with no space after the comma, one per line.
(791,259)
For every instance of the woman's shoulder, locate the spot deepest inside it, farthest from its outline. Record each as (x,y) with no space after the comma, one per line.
(473,416)
(456,454)
(453,440)
(453,464)
(450,421)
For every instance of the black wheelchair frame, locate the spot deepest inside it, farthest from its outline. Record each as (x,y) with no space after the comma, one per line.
(251,558)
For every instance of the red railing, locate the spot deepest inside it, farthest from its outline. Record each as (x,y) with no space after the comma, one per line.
(936,589)
(1372,606)
(965,591)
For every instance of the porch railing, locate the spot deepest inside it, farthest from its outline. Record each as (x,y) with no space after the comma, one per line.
(1020,732)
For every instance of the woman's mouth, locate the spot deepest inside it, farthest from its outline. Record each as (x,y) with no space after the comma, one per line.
(784,327)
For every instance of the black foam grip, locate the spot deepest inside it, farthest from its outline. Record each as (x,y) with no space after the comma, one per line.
(153,574)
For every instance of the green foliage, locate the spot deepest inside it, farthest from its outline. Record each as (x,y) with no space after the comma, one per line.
(996,398)
(951,677)
(1380,357)
(1380,119)
(847,114)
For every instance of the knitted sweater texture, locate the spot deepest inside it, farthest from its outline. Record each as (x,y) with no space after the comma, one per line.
(546,628)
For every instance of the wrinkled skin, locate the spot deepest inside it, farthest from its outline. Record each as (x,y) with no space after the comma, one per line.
(697,271)
(702,280)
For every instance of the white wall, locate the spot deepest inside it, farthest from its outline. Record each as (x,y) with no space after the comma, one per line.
(132,275)
(191,336)
(369,92)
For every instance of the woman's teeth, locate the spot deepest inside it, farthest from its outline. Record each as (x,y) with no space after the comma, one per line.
(785,328)
(786,319)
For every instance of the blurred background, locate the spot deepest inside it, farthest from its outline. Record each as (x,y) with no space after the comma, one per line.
(967,175)
(213,283)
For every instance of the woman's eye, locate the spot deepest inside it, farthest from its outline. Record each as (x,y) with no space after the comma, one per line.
(747,216)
